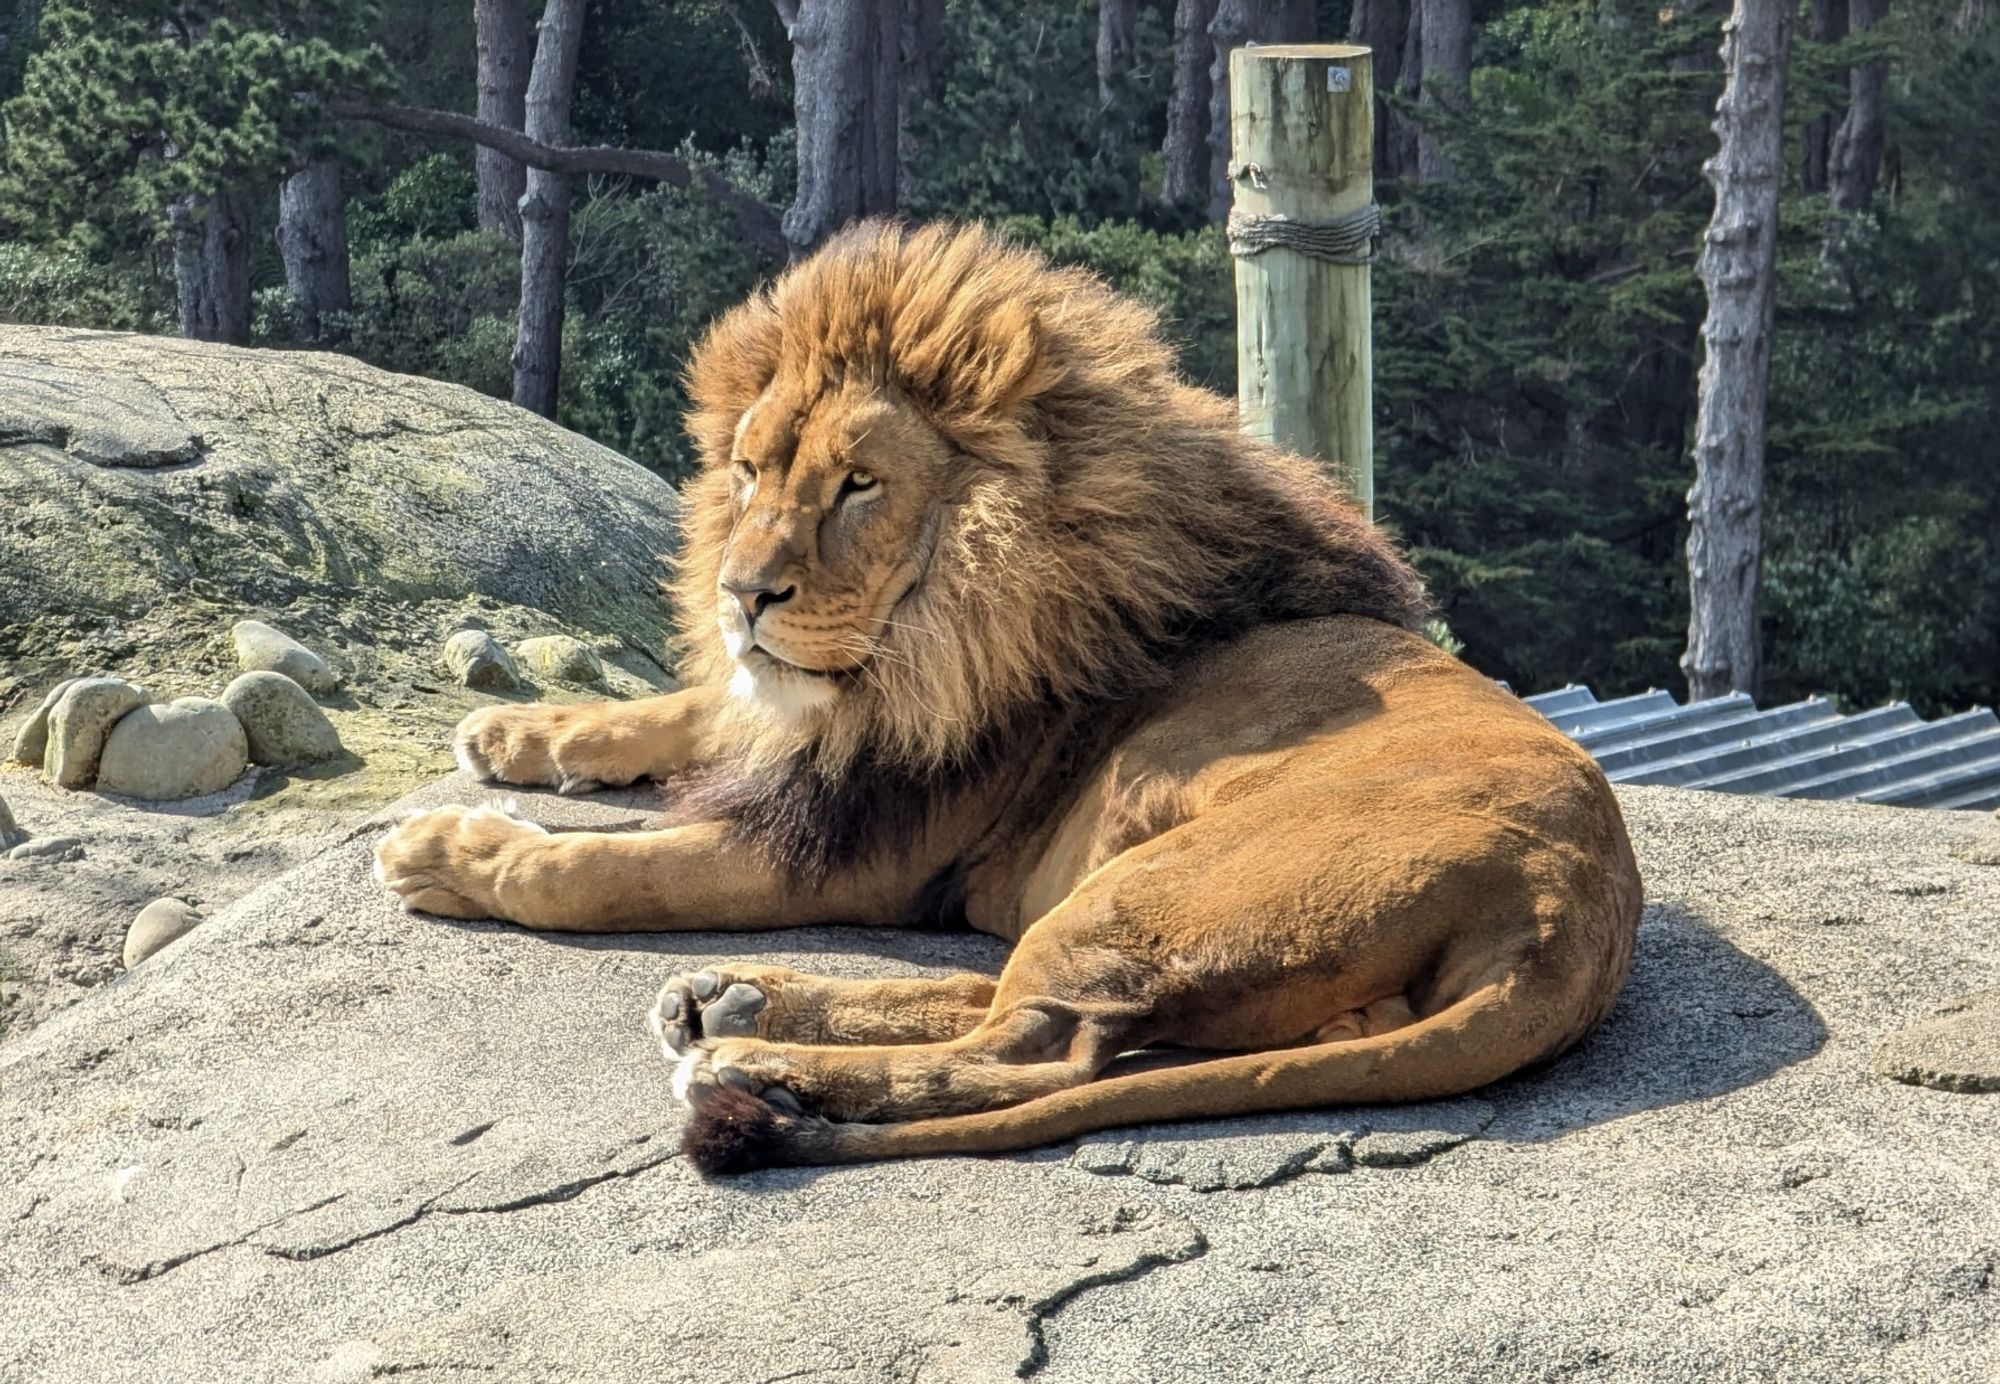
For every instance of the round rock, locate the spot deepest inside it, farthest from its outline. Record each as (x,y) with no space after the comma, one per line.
(282,723)
(560,658)
(181,750)
(11,834)
(262,648)
(159,922)
(477,659)
(32,741)
(80,725)
(57,848)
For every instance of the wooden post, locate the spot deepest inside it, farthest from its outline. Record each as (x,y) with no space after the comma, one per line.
(1302,146)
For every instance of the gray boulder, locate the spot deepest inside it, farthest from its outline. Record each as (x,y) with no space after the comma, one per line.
(159,922)
(318,1102)
(477,659)
(561,658)
(11,834)
(282,723)
(80,724)
(185,749)
(31,742)
(154,490)
(265,648)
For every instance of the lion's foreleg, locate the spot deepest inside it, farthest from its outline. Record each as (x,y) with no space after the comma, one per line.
(591,745)
(483,863)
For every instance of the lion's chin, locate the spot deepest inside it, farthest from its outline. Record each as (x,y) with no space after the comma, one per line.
(789,693)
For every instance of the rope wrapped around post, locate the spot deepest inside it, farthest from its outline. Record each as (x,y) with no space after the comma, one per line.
(1348,239)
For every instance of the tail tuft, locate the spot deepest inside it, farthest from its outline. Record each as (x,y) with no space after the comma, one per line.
(732,1132)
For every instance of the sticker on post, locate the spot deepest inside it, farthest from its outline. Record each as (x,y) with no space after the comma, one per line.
(1339,79)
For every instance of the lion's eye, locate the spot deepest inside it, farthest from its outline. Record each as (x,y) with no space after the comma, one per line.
(745,472)
(858,481)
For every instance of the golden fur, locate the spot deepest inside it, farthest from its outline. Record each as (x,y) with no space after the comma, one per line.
(987,615)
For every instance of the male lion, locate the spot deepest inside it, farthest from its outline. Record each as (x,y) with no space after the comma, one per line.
(989,616)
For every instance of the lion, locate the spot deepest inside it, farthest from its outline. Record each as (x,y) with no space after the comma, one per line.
(990,618)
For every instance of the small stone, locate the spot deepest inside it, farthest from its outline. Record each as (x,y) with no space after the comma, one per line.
(477,659)
(560,658)
(261,648)
(11,834)
(283,724)
(185,749)
(80,724)
(159,922)
(32,742)
(56,848)
(1957,1050)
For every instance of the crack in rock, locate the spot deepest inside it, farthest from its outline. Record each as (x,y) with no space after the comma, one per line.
(127,1274)
(1264,1151)
(1040,1312)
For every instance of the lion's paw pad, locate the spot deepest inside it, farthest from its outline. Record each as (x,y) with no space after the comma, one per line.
(701,1072)
(702,1005)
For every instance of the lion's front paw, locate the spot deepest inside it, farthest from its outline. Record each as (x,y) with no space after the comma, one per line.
(448,861)
(721,1002)
(568,748)
(755,1068)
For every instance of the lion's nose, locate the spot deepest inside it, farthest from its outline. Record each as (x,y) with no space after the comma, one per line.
(755,600)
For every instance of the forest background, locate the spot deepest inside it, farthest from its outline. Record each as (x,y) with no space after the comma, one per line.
(1537,310)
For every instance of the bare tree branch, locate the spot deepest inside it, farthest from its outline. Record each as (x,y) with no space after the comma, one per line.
(759,222)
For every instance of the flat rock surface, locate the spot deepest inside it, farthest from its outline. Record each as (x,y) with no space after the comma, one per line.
(1957,1050)
(319,1139)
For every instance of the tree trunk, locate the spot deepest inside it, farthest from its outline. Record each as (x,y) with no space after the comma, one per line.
(848,102)
(312,238)
(506,49)
(1382,26)
(1236,23)
(923,30)
(1184,154)
(1115,19)
(1412,81)
(1738,266)
(545,213)
(212,267)
(1447,49)
(1857,147)
(1829,25)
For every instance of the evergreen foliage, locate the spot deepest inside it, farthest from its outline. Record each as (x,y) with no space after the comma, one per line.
(1537,320)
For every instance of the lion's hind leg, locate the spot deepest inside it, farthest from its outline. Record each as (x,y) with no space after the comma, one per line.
(1025,1050)
(739,1000)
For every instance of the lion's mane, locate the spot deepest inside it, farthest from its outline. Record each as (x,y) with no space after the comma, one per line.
(1113,520)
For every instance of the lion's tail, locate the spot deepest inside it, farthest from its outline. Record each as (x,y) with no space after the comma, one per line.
(1482,1038)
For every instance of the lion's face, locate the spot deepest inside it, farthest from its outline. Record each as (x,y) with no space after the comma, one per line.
(834,502)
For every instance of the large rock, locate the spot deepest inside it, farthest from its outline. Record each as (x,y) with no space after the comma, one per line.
(11,834)
(154,490)
(477,659)
(31,742)
(284,725)
(160,923)
(316,1106)
(79,725)
(261,648)
(186,749)
(560,658)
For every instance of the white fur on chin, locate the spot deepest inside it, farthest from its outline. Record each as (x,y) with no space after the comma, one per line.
(785,692)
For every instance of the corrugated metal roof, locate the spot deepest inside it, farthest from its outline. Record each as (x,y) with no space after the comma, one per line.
(1804,750)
